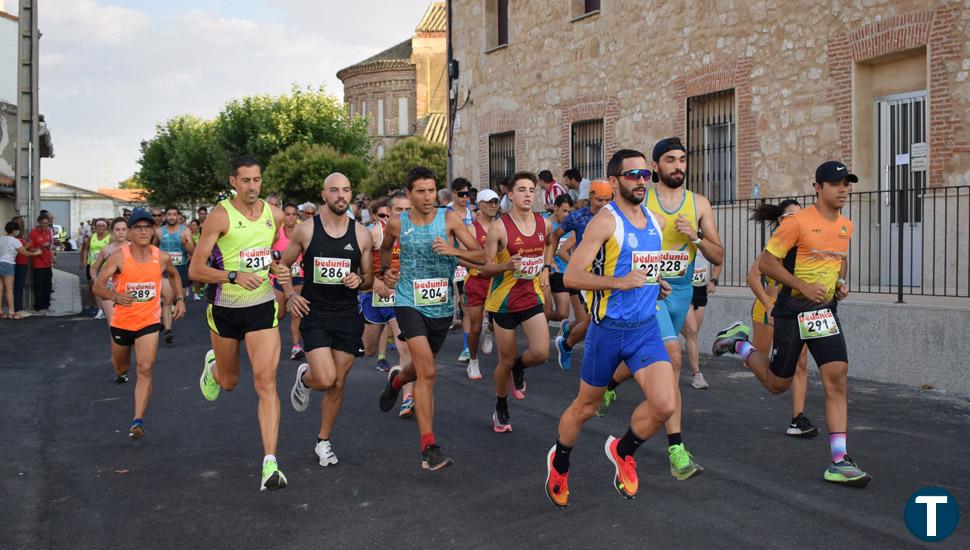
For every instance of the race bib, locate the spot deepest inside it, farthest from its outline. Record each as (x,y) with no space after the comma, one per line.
(431,292)
(701,276)
(177,258)
(673,263)
(142,292)
(379,301)
(817,324)
(295,269)
(461,273)
(330,271)
(649,262)
(529,268)
(253,260)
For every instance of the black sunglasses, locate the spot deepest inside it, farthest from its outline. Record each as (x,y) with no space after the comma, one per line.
(463,194)
(636,174)
(383,216)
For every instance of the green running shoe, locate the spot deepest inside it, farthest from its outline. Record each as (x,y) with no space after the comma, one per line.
(210,389)
(608,398)
(848,473)
(273,478)
(725,340)
(682,465)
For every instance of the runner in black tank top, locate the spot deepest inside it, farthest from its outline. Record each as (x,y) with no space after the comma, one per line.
(332,326)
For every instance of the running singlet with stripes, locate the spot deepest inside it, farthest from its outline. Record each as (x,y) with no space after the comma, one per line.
(628,245)
(518,290)
(326,261)
(245,248)
(481,235)
(144,282)
(172,243)
(677,264)
(424,282)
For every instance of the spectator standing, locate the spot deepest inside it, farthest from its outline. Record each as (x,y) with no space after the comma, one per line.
(551,191)
(42,239)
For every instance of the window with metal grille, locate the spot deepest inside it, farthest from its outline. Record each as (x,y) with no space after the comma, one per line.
(501,157)
(710,146)
(587,148)
(591,5)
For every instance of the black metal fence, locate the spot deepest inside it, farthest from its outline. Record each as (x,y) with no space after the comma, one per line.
(926,255)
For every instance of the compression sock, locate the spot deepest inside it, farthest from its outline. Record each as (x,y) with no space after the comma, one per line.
(744,349)
(674,439)
(837,443)
(560,461)
(628,444)
(502,404)
(466,340)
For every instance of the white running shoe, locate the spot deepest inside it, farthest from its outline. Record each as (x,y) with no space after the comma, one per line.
(486,343)
(325,451)
(99,314)
(473,372)
(300,394)
(698,382)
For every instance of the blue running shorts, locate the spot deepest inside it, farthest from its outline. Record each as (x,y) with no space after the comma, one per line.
(672,312)
(611,342)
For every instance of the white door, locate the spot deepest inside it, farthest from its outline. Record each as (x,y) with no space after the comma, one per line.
(902,161)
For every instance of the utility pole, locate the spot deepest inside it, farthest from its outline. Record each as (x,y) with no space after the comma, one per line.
(28,121)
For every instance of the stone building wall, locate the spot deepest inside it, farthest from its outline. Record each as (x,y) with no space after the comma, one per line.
(389,85)
(792,66)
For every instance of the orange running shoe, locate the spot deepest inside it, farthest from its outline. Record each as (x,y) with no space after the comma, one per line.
(557,485)
(625,480)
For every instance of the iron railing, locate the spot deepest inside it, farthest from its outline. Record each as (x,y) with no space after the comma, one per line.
(501,157)
(928,255)
(587,148)
(710,146)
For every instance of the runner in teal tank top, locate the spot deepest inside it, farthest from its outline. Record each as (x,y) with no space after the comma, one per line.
(424,304)
(176,240)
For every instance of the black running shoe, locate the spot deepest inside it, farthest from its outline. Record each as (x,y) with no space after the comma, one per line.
(518,378)
(121,378)
(801,426)
(433,459)
(389,395)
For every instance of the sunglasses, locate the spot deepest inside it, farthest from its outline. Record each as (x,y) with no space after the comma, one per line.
(636,174)
(383,216)
(463,194)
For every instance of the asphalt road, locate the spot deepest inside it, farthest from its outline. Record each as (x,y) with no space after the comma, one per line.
(70,478)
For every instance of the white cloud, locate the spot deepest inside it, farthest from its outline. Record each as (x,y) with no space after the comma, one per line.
(109,74)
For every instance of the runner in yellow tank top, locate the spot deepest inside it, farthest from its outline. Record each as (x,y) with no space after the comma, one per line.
(236,240)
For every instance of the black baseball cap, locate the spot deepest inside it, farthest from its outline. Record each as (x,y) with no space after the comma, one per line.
(138,215)
(666,145)
(833,171)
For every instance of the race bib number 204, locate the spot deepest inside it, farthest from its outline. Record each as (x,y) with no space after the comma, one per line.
(431,292)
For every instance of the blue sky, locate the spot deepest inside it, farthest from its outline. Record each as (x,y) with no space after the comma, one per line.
(111,70)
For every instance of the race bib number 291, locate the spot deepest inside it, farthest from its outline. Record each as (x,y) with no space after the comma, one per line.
(817,324)
(431,292)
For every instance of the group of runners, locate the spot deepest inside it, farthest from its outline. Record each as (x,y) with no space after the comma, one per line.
(629,267)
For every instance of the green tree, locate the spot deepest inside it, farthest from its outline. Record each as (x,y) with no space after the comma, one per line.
(264,125)
(177,163)
(391,171)
(131,182)
(297,173)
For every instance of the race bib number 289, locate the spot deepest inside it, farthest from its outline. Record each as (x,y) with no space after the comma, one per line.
(141,292)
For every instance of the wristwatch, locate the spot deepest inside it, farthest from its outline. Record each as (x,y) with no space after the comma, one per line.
(177,299)
(713,280)
(549,267)
(232,277)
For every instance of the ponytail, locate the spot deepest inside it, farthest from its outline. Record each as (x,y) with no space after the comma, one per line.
(768,212)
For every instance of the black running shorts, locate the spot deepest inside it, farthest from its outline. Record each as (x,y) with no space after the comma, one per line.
(510,320)
(127,338)
(340,332)
(235,322)
(700,297)
(413,325)
(787,346)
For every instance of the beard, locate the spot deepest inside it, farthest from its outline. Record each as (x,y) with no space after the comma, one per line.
(338,210)
(628,195)
(674,180)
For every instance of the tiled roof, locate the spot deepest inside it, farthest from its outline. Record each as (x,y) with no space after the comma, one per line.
(436,128)
(397,55)
(435,19)
(125,195)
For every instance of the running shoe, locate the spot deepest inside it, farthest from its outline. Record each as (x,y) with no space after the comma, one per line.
(518,383)
(407,407)
(273,478)
(324,450)
(557,485)
(137,429)
(464,356)
(433,459)
(473,371)
(389,395)
(725,340)
(564,354)
(210,389)
(564,329)
(682,465)
(99,314)
(383,365)
(848,473)
(121,378)
(169,337)
(608,398)
(625,479)
(698,382)
(196,296)
(801,426)
(297,353)
(501,422)
(300,394)
(487,342)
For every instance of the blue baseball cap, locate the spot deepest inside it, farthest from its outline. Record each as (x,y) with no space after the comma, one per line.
(139,214)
